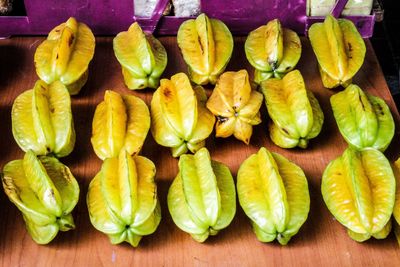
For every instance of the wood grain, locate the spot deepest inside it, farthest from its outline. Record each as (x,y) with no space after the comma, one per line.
(322,241)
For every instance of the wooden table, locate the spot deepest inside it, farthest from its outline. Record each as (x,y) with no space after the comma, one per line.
(322,241)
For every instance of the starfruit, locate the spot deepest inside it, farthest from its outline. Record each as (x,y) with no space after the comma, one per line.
(202,197)
(120,121)
(42,120)
(235,105)
(295,112)
(122,199)
(179,117)
(339,48)
(65,55)
(363,120)
(273,193)
(359,190)
(272,50)
(142,57)
(45,191)
(396,209)
(206,45)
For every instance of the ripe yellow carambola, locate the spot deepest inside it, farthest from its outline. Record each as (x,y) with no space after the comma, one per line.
(179,118)
(339,48)
(65,55)
(295,112)
(235,105)
(273,193)
(206,45)
(120,121)
(359,190)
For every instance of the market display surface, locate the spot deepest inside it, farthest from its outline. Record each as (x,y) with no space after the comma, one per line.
(320,239)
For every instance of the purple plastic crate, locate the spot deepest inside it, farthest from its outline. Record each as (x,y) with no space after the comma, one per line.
(108,17)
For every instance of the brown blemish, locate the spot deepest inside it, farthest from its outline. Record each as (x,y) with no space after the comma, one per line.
(362,104)
(286,131)
(201,45)
(222,119)
(167,93)
(71,40)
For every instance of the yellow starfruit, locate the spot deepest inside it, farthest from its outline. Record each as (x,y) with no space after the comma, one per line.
(206,45)
(339,48)
(273,193)
(235,105)
(179,117)
(295,112)
(119,122)
(65,55)
(359,190)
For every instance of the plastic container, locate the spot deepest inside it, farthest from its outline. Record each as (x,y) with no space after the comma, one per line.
(108,17)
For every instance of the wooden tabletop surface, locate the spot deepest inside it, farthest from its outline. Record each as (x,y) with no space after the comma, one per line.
(322,241)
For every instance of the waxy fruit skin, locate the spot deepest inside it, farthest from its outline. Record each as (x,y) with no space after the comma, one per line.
(296,116)
(119,122)
(235,105)
(65,55)
(396,209)
(363,120)
(202,197)
(122,199)
(273,193)
(339,48)
(359,190)
(206,45)
(179,117)
(142,57)
(42,120)
(45,191)
(272,50)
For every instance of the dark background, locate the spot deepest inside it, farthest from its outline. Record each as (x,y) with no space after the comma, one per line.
(386,43)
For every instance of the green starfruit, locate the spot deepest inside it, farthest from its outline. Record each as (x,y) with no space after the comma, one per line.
(45,191)
(272,50)
(363,120)
(122,199)
(42,120)
(202,197)
(142,57)
(295,112)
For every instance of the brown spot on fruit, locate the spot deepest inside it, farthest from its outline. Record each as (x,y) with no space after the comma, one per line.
(201,45)
(71,40)
(286,131)
(222,119)
(167,93)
